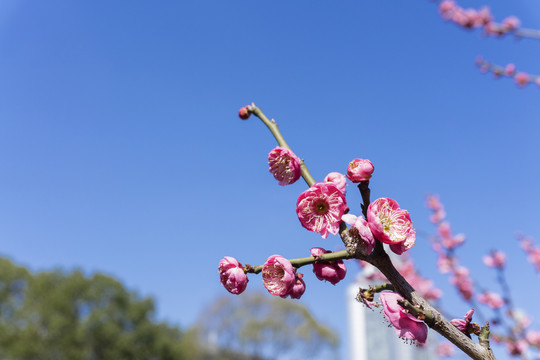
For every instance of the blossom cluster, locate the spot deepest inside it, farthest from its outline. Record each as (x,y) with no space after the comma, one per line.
(521,78)
(533,252)
(477,18)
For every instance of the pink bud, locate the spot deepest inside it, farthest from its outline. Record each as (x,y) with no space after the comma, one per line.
(360,170)
(298,288)
(284,165)
(463,324)
(333,271)
(338,180)
(244,113)
(232,275)
(278,275)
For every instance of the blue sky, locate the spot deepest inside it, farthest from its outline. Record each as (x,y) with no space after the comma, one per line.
(123,153)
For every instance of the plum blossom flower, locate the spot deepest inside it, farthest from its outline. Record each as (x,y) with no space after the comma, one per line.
(320,208)
(522,78)
(445,349)
(232,275)
(338,180)
(463,282)
(405,325)
(284,165)
(333,271)
(298,288)
(360,232)
(464,325)
(516,347)
(390,224)
(510,69)
(491,299)
(278,275)
(497,259)
(511,23)
(533,337)
(360,170)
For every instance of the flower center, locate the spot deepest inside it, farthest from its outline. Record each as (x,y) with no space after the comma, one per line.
(321,207)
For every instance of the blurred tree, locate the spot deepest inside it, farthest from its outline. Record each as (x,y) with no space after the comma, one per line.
(265,327)
(57,315)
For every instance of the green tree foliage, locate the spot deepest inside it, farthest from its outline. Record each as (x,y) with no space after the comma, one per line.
(68,316)
(265,327)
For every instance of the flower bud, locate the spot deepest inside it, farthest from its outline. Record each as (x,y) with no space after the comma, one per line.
(244,113)
(359,170)
(232,275)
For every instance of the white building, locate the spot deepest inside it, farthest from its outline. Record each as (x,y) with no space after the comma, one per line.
(372,338)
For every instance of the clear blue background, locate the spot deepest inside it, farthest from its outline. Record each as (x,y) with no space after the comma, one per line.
(121,150)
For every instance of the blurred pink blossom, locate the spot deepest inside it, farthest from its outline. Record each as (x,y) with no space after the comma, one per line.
(320,208)
(516,347)
(284,165)
(445,349)
(232,275)
(278,275)
(522,78)
(496,259)
(511,23)
(405,325)
(491,299)
(333,271)
(533,337)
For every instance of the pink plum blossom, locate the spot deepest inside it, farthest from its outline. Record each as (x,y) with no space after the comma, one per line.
(390,224)
(533,337)
(491,299)
(445,349)
(522,78)
(405,325)
(510,69)
(464,324)
(232,275)
(444,264)
(284,165)
(516,347)
(338,180)
(511,23)
(298,288)
(496,259)
(278,275)
(360,170)
(360,232)
(333,271)
(320,208)
(463,282)
(423,286)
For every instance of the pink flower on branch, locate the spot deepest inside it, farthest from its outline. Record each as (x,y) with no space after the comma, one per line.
(232,275)
(464,325)
(333,271)
(245,112)
(320,208)
(405,325)
(361,232)
(496,259)
(284,165)
(391,225)
(278,275)
(360,170)
(445,349)
(491,299)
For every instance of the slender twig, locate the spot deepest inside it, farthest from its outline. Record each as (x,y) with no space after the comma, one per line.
(299,262)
